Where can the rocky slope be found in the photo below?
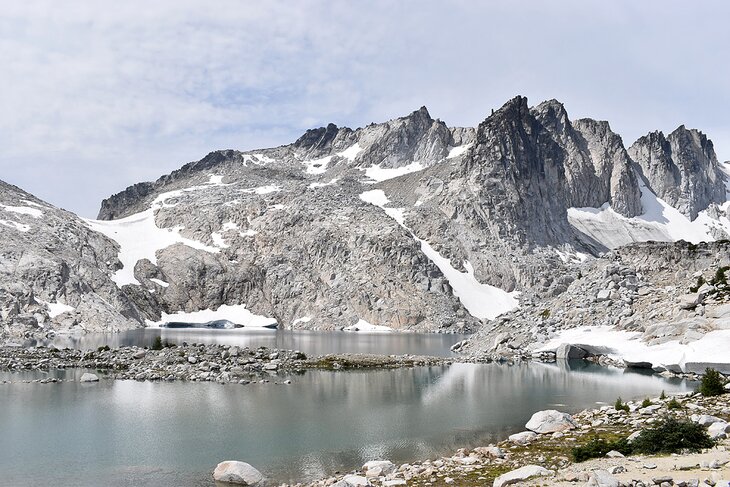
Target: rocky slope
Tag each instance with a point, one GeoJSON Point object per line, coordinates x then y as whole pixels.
{"type": "Point", "coordinates": [649, 304]}
{"type": "Point", "coordinates": [406, 224]}
{"type": "Point", "coordinates": [54, 271]}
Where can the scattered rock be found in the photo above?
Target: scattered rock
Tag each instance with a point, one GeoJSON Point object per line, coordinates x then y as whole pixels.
{"type": "Point", "coordinates": [88, 377]}
{"type": "Point", "coordinates": [523, 473]}
{"type": "Point", "coordinates": [550, 421]}
{"type": "Point", "coordinates": [238, 473]}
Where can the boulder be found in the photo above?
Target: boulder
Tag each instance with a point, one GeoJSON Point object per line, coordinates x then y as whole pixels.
{"type": "Point", "coordinates": [490, 451]}
{"type": "Point", "coordinates": [569, 352]}
{"type": "Point", "coordinates": [718, 430]}
{"type": "Point", "coordinates": [522, 473]}
{"type": "Point", "coordinates": [523, 438]}
{"type": "Point", "coordinates": [690, 301]}
{"type": "Point", "coordinates": [238, 473]}
{"type": "Point", "coordinates": [385, 466]}
{"type": "Point", "coordinates": [603, 295]}
{"type": "Point", "coordinates": [353, 481]}
{"type": "Point", "coordinates": [87, 377]}
{"type": "Point", "coordinates": [707, 420]}
{"type": "Point", "coordinates": [601, 478]}
{"type": "Point", "coordinates": [550, 421]}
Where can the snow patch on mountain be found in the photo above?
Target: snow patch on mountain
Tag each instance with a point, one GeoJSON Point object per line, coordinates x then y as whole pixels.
{"type": "Point", "coordinates": [377, 173]}
{"type": "Point", "coordinates": [458, 150]}
{"type": "Point", "coordinates": [270, 188]}
{"type": "Point", "coordinates": [660, 222]}
{"type": "Point", "coordinates": [21, 227]}
{"type": "Point", "coordinates": [55, 309]}
{"type": "Point", "coordinates": [23, 210]}
{"type": "Point", "coordinates": [237, 314]}
{"type": "Point", "coordinates": [480, 300]}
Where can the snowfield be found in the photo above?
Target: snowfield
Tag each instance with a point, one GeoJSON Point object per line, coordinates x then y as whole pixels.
{"type": "Point", "coordinates": [709, 351]}
{"type": "Point", "coordinates": [480, 300]}
{"type": "Point", "coordinates": [659, 222]}
{"type": "Point", "coordinates": [237, 314]}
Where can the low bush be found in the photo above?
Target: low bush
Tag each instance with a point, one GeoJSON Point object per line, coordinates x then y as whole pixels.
{"type": "Point", "coordinates": [619, 405]}
{"type": "Point", "coordinates": [598, 447]}
{"type": "Point", "coordinates": [646, 403]}
{"type": "Point", "coordinates": [673, 404]}
{"type": "Point", "coordinates": [712, 383]}
{"type": "Point", "coordinates": [157, 343]}
{"type": "Point", "coordinates": [672, 435]}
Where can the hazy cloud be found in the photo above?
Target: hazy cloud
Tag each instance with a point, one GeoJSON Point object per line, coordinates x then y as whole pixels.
{"type": "Point", "coordinates": [98, 95]}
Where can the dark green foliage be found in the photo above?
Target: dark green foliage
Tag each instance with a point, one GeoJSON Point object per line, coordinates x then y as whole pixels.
{"type": "Point", "coordinates": [712, 383]}
{"type": "Point", "coordinates": [696, 287]}
{"type": "Point", "coordinates": [673, 404]}
{"type": "Point", "coordinates": [662, 396]}
{"type": "Point", "coordinates": [620, 406]}
{"type": "Point", "coordinates": [545, 314]}
{"type": "Point", "coordinates": [157, 343]}
{"type": "Point", "coordinates": [646, 403]}
{"type": "Point", "coordinates": [672, 435]}
{"type": "Point", "coordinates": [598, 447]}
{"type": "Point", "coordinates": [105, 348]}
{"type": "Point", "coordinates": [719, 277]}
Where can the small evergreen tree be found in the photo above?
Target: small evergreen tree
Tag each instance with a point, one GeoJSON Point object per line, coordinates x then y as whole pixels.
{"type": "Point", "coordinates": [712, 383]}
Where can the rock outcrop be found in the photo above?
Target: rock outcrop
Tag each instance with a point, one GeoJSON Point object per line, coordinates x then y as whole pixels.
{"type": "Point", "coordinates": [681, 168]}
{"type": "Point", "coordinates": [55, 272]}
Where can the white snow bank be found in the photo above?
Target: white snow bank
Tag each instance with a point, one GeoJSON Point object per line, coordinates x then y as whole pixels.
{"type": "Point", "coordinates": [303, 319]}
{"type": "Point", "coordinates": [270, 188]}
{"type": "Point", "coordinates": [237, 314]}
{"type": "Point", "coordinates": [322, 185]}
{"type": "Point", "coordinates": [480, 300]}
{"type": "Point", "coordinates": [139, 237]}
{"type": "Point", "coordinates": [23, 210]}
{"type": "Point", "coordinates": [377, 173]}
{"type": "Point", "coordinates": [624, 345]}
{"type": "Point", "coordinates": [317, 166]}
{"type": "Point", "coordinates": [363, 325]}
{"type": "Point", "coordinates": [458, 150]}
{"type": "Point", "coordinates": [660, 222]}
{"type": "Point", "coordinates": [351, 152]}
{"type": "Point", "coordinates": [55, 309]}
{"type": "Point", "coordinates": [21, 227]}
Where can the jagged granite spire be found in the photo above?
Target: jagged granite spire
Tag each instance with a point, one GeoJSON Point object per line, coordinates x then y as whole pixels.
{"type": "Point", "coordinates": [682, 169]}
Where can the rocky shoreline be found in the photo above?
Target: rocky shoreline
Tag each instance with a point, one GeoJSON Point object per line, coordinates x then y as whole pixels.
{"type": "Point", "coordinates": [194, 362]}
{"type": "Point", "coordinates": [544, 457]}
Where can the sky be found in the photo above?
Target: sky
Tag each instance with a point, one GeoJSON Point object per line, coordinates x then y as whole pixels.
{"type": "Point", "coordinates": [98, 95]}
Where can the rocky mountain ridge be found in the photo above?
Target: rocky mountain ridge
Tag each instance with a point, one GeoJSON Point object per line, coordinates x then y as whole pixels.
{"type": "Point", "coordinates": [406, 224]}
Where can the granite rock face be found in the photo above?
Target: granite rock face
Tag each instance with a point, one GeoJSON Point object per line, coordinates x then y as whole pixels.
{"type": "Point", "coordinates": [358, 227]}
{"type": "Point", "coordinates": [681, 168]}
{"type": "Point", "coordinates": [54, 272]}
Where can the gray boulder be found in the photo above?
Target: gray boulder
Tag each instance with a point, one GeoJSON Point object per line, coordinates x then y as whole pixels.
{"type": "Point", "coordinates": [521, 474]}
{"type": "Point", "coordinates": [238, 473]}
{"type": "Point", "coordinates": [88, 377]}
{"type": "Point", "coordinates": [550, 421]}
{"type": "Point", "coordinates": [601, 478]}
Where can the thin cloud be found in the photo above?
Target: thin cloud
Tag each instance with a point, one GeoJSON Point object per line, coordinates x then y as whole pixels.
{"type": "Point", "coordinates": [99, 95]}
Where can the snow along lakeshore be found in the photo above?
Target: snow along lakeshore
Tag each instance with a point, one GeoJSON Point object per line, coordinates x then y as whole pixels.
{"type": "Point", "coordinates": [709, 351]}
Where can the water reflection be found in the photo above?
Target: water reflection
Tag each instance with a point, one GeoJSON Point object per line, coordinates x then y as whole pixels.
{"type": "Point", "coordinates": [310, 342]}
{"type": "Point", "coordinates": [142, 433]}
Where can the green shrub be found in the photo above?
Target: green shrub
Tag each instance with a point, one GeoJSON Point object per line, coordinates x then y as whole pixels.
{"type": "Point", "coordinates": [673, 404]}
{"type": "Point", "coordinates": [712, 383]}
{"type": "Point", "coordinates": [545, 314]}
{"type": "Point", "coordinates": [619, 405]}
{"type": "Point", "coordinates": [672, 435]}
{"type": "Point", "coordinates": [598, 447]}
{"type": "Point", "coordinates": [698, 285]}
{"type": "Point", "coordinates": [105, 348]}
{"type": "Point", "coordinates": [662, 396]}
{"type": "Point", "coordinates": [646, 403]}
{"type": "Point", "coordinates": [720, 276]}
{"type": "Point", "coordinates": [157, 343]}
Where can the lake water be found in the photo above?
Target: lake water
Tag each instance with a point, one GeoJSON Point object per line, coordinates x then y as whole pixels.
{"type": "Point", "coordinates": [126, 433]}
{"type": "Point", "coordinates": [309, 342]}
